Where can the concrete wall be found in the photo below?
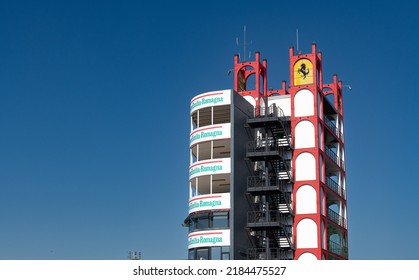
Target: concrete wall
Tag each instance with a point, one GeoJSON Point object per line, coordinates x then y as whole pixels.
{"type": "Point", "coordinates": [240, 111]}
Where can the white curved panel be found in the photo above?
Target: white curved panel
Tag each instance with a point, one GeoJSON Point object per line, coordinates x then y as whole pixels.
{"type": "Point", "coordinates": [209, 99]}
{"type": "Point", "coordinates": [304, 135]}
{"type": "Point", "coordinates": [209, 133]}
{"type": "Point", "coordinates": [306, 201]}
{"type": "Point", "coordinates": [307, 234]}
{"type": "Point", "coordinates": [304, 103]}
{"type": "Point", "coordinates": [209, 238]}
{"type": "Point", "coordinates": [307, 257]}
{"type": "Point", "coordinates": [250, 99]}
{"type": "Point", "coordinates": [209, 167]}
{"type": "Point", "coordinates": [209, 202]}
{"type": "Point", "coordinates": [305, 167]}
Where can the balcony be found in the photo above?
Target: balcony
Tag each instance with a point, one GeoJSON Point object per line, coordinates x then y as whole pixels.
{"type": "Point", "coordinates": [336, 218]}
{"type": "Point", "coordinates": [338, 249]}
{"type": "Point", "coordinates": [273, 112]}
{"type": "Point", "coordinates": [257, 184]}
{"type": "Point", "coordinates": [332, 185]}
{"type": "Point", "coordinates": [263, 149]}
{"type": "Point", "coordinates": [333, 128]}
{"type": "Point", "coordinates": [267, 254]}
{"type": "Point", "coordinates": [263, 219]}
{"type": "Point", "coordinates": [333, 156]}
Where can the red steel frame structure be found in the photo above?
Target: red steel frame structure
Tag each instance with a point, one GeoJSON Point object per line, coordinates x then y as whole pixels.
{"type": "Point", "coordinates": [329, 182]}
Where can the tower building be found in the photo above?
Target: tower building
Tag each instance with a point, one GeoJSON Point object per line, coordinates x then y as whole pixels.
{"type": "Point", "coordinates": [267, 177]}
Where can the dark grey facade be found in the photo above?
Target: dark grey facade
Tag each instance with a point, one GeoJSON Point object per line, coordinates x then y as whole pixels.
{"type": "Point", "coordinates": [241, 169]}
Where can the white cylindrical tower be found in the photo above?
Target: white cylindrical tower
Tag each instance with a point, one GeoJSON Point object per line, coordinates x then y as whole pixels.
{"type": "Point", "coordinates": [209, 177]}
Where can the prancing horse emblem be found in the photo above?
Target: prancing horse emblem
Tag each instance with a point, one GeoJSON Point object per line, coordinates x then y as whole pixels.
{"type": "Point", "coordinates": [303, 70]}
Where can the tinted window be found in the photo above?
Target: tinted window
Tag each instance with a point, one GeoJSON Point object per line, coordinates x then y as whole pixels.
{"type": "Point", "coordinates": [202, 254]}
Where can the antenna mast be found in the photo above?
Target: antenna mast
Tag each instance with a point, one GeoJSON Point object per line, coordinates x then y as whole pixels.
{"type": "Point", "coordinates": [244, 44]}
{"type": "Point", "coordinates": [297, 42]}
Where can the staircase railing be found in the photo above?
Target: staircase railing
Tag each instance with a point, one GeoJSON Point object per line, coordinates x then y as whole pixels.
{"type": "Point", "coordinates": [274, 111]}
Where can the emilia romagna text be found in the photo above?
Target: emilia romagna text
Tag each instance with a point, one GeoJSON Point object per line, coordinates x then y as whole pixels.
{"type": "Point", "coordinates": [204, 101]}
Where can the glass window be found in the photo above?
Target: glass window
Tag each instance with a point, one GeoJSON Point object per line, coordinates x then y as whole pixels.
{"type": "Point", "coordinates": [194, 159]}
{"type": "Point", "coordinates": [225, 252]}
{"type": "Point", "coordinates": [221, 114]}
{"type": "Point", "coordinates": [193, 190]}
{"type": "Point", "coordinates": [191, 254]}
{"type": "Point", "coordinates": [193, 187]}
{"type": "Point", "coordinates": [215, 253]}
{"type": "Point", "coordinates": [203, 222]}
{"type": "Point", "coordinates": [203, 183]}
{"type": "Point", "coordinates": [220, 220]}
{"type": "Point", "coordinates": [226, 256]}
{"type": "Point", "coordinates": [192, 224]}
{"type": "Point", "coordinates": [202, 254]}
{"type": "Point", "coordinates": [205, 117]}
{"type": "Point", "coordinates": [194, 120]}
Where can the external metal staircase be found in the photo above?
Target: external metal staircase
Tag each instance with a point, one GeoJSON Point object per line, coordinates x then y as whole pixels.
{"type": "Point", "coordinates": [269, 189]}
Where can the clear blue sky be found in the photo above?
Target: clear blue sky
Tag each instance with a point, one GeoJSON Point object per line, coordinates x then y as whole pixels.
{"type": "Point", "coordinates": [94, 116]}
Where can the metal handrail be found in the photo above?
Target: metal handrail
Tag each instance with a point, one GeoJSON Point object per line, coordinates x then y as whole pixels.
{"type": "Point", "coordinates": [265, 217]}
{"type": "Point", "coordinates": [331, 125]}
{"type": "Point", "coordinates": [265, 145]}
{"type": "Point", "coordinates": [262, 181]}
{"type": "Point", "coordinates": [332, 155]}
{"type": "Point", "coordinates": [334, 128]}
{"type": "Point", "coordinates": [271, 111]}
{"type": "Point", "coordinates": [331, 184]}
{"type": "Point", "coordinates": [335, 217]}
{"type": "Point", "coordinates": [266, 254]}
{"type": "Point", "coordinates": [260, 253]}
{"type": "Point", "coordinates": [338, 249]}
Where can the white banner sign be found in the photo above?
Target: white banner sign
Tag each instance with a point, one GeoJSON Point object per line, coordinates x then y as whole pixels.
{"type": "Point", "coordinates": [208, 133]}
{"type": "Point", "coordinates": [209, 167]}
{"type": "Point", "coordinates": [209, 238]}
{"type": "Point", "coordinates": [209, 99]}
{"type": "Point", "coordinates": [209, 202]}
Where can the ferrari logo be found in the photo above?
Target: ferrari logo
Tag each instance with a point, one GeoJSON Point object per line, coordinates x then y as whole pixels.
{"type": "Point", "coordinates": [303, 70]}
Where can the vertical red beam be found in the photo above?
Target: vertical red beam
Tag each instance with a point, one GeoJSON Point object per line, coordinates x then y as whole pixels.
{"type": "Point", "coordinates": [243, 70]}
{"type": "Point", "coordinates": [313, 87]}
